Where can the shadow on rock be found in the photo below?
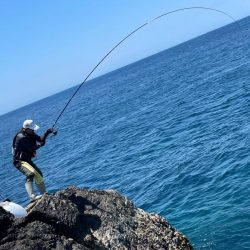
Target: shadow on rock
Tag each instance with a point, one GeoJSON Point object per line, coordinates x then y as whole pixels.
{"type": "Point", "coordinates": [66, 215]}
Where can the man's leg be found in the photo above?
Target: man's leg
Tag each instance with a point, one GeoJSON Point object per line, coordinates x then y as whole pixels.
{"type": "Point", "coordinates": [38, 178]}
{"type": "Point", "coordinates": [29, 188]}
{"type": "Point", "coordinates": [29, 178]}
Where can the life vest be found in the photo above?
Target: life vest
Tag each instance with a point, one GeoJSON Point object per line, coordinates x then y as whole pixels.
{"type": "Point", "coordinates": [23, 147]}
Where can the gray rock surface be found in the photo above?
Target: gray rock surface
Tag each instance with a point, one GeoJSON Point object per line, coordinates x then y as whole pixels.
{"type": "Point", "coordinates": [87, 219]}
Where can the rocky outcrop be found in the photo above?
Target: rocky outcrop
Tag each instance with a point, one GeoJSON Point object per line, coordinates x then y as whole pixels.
{"type": "Point", "coordinates": [87, 219]}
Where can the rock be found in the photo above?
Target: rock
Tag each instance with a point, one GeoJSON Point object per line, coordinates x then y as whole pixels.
{"type": "Point", "coordinates": [6, 220]}
{"type": "Point", "coordinates": [87, 219]}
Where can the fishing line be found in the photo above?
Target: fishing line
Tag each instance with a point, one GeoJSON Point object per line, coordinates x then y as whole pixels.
{"type": "Point", "coordinates": [125, 38]}
{"type": "Point", "coordinates": [1, 196]}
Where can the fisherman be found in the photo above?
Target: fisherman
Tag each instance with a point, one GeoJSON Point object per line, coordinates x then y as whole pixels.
{"type": "Point", "coordinates": [24, 146]}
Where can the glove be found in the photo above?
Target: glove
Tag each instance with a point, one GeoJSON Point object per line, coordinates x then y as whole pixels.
{"type": "Point", "coordinates": [49, 131]}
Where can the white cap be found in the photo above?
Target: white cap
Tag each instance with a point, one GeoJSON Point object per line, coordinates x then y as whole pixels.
{"type": "Point", "coordinates": [30, 124]}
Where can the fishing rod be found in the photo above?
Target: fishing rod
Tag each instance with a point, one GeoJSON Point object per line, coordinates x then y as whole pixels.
{"type": "Point", "coordinates": [125, 38]}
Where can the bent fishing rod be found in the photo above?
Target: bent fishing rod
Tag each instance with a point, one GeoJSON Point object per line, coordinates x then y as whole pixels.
{"type": "Point", "coordinates": [125, 38]}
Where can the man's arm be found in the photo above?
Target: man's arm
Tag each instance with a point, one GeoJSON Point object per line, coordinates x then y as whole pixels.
{"type": "Point", "coordinates": [43, 138]}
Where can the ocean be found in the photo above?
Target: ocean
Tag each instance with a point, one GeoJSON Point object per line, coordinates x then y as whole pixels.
{"type": "Point", "coordinates": [170, 131]}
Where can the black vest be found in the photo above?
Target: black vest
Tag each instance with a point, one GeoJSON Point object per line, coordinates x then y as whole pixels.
{"type": "Point", "coordinates": [23, 146]}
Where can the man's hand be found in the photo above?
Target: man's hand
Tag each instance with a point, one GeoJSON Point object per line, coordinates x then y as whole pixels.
{"type": "Point", "coordinates": [49, 131]}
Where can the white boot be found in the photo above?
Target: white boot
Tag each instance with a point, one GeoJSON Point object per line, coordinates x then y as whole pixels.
{"type": "Point", "coordinates": [41, 187]}
{"type": "Point", "coordinates": [30, 190]}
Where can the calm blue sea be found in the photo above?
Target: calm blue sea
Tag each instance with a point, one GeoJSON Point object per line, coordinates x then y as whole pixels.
{"type": "Point", "coordinates": [171, 132]}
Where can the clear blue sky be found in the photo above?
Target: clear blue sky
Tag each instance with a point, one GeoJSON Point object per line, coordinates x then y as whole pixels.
{"type": "Point", "coordinates": [48, 46]}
